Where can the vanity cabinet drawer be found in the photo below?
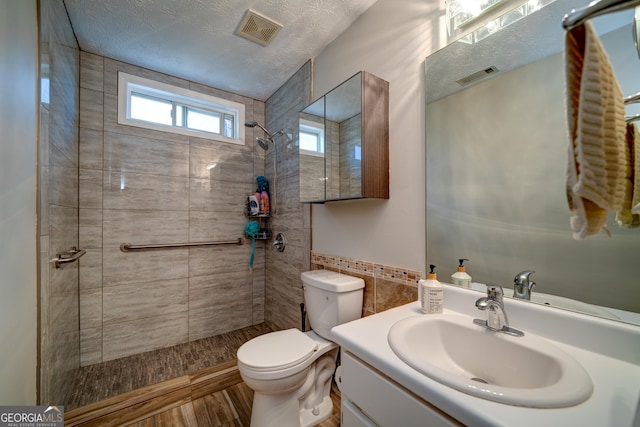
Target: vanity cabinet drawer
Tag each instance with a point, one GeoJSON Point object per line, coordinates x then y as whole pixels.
{"type": "Point", "coordinates": [383, 401]}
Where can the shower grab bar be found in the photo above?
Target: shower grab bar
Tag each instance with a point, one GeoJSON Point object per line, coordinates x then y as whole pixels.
{"type": "Point", "coordinates": [72, 255]}
{"type": "Point", "coordinates": [595, 8]}
{"type": "Point", "coordinates": [128, 247]}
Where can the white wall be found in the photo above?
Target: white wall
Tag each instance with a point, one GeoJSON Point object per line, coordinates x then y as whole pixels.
{"type": "Point", "coordinates": [18, 121]}
{"type": "Point", "coordinates": [390, 40]}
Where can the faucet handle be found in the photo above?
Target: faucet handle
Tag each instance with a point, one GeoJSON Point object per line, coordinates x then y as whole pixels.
{"type": "Point", "coordinates": [495, 292]}
{"type": "Point", "coordinates": [523, 278]}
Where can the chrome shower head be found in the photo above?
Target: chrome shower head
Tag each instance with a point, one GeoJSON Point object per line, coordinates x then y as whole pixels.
{"type": "Point", "coordinates": [252, 124]}
{"type": "Point", "coordinates": [264, 142]}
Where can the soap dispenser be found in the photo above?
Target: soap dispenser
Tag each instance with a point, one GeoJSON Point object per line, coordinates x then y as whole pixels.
{"type": "Point", "coordinates": [461, 277]}
{"type": "Point", "coordinates": [430, 293]}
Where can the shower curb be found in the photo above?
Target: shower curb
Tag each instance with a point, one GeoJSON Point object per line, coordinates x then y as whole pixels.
{"type": "Point", "coordinates": [136, 405]}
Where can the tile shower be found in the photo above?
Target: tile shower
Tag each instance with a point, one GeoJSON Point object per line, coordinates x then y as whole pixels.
{"type": "Point", "coordinates": [144, 187]}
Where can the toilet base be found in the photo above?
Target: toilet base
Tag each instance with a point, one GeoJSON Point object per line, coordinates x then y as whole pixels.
{"type": "Point", "coordinates": [286, 412]}
{"type": "Point", "coordinates": [324, 411]}
{"type": "Point", "coordinates": [281, 409]}
{"type": "Point", "coordinates": [306, 406]}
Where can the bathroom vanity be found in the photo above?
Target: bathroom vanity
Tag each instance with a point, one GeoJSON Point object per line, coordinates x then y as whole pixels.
{"type": "Point", "coordinates": [379, 388]}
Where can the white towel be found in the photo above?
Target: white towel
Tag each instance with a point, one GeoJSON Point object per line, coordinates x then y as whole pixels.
{"type": "Point", "coordinates": [597, 165]}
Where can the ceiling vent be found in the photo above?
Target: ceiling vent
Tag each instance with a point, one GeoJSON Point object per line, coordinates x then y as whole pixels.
{"type": "Point", "coordinates": [479, 75]}
{"type": "Point", "coordinates": [258, 28]}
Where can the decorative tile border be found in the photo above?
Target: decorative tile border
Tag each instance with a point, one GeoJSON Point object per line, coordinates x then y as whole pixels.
{"type": "Point", "coordinates": [379, 271]}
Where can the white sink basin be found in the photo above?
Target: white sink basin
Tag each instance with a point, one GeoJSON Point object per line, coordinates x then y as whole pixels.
{"type": "Point", "coordinates": [523, 371]}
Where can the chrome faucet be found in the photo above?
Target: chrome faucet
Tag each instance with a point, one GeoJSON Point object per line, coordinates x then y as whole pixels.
{"type": "Point", "coordinates": [522, 285]}
{"type": "Point", "coordinates": [493, 304]}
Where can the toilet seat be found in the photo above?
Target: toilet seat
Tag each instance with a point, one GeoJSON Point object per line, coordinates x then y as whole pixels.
{"type": "Point", "coordinates": [276, 351]}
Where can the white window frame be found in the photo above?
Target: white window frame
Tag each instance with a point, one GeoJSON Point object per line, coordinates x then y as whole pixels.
{"type": "Point", "coordinates": [128, 83]}
{"type": "Point", "coordinates": [312, 127]}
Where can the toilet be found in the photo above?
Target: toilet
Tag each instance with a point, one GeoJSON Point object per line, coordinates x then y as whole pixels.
{"type": "Point", "coordinates": [290, 371]}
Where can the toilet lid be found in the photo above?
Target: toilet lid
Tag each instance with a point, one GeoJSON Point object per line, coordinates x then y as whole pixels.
{"type": "Point", "coordinates": [276, 350]}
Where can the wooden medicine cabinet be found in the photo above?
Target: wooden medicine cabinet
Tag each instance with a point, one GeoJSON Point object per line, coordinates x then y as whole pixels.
{"type": "Point", "coordinates": [344, 142]}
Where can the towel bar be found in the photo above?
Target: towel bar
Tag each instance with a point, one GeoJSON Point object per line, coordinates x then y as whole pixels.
{"type": "Point", "coordinates": [596, 8]}
{"type": "Point", "coordinates": [631, 119]}
{"type": "Point", "coordinates": [632, 99]}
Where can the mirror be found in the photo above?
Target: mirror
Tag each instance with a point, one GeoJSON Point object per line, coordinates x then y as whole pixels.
{"type": "Point", "coordinates": [344, 142]}
{"type": "Point", "coordinates": [343, 120]}
{"type": "Point", "coordinates": [496, 159]}
{"type": "Point", "coordinates": [312, 153]}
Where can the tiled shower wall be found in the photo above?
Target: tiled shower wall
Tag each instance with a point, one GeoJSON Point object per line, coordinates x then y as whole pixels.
{"type": "Point", "coordinates": [283, 287]}
{"type": "Point", "coordinates": [144, 187]}
{"type": "Point", "coordinates": [58, 207]}
{"type": "Point", "coordinates": [385, 286]}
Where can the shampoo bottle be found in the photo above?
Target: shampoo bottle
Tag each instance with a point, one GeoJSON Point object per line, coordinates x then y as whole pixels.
{"type": "Point", "coordinates": [461, 277]}
{"type": "Point", "coordinates": [253, 205]}
{"type": "Point", "coordinates": [264, 202]}
{"type": "Point", "coordinates": [430, 293]}
{"type": "Point", "coordinates": [258, 197]}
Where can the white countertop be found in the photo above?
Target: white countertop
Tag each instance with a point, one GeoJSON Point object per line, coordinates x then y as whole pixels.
{"type": "Point", "coordinates": [614, 365]}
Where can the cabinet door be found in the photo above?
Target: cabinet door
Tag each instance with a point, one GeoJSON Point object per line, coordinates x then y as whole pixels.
{"type": "Point", "coordinates": [343, 160]}
{"type": "Point", "coordinates": [385, 402]}
{"type": "Point", "coordinates": [312, 153]}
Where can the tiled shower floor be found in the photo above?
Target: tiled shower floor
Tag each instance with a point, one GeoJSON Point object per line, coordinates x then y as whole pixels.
{"type": "Point", "coordinates": [103, 380]}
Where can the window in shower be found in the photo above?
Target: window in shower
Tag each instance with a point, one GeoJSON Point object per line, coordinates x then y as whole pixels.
{"type": "Point", "coordinates": [159, 106]}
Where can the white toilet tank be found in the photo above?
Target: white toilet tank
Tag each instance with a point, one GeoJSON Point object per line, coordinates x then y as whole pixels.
{"type": "Point", "coordinates": [331, 299]}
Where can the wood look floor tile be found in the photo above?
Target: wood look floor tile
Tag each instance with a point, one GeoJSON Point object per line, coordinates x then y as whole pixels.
{"type": "Point", "coordinates": [181, 416]}
{"type": "Point", "coordinates": [215, 410]}
{"type": "Point", "coordinates": [242, 399]}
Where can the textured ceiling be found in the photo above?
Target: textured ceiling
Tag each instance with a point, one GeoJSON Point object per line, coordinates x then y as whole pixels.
{"type": "Point", "coordinates": [194, 39]}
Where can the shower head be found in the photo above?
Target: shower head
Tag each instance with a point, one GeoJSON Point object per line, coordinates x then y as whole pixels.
{"type": "Point", "coordinates": [252, 124]}
{"type": "Point", "coordinates": [264, 142]}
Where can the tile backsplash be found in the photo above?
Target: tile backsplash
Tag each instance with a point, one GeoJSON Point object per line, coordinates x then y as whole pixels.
{"type": "Point", "coordinates": [385, 286]}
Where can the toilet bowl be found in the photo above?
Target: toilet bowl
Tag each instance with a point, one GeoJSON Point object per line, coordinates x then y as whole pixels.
{"type": "Point", "coordinates": [290, 371]}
